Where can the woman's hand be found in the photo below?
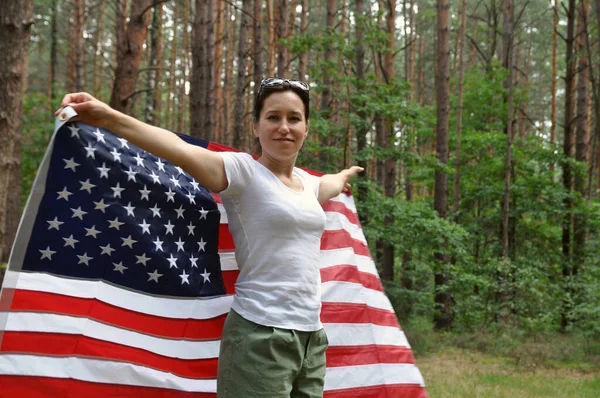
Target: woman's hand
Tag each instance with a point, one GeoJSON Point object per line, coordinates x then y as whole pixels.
{"type": "Point", "coordinates": [89, 110]}
{"type": "Point", "coordinates": [331, 185]}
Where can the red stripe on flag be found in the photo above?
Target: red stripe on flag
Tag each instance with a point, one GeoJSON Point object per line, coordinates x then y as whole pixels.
{"type": "Point", "coordinates": [380, 391]}
{"type": "Point", "coordinates": [342, 239]}
{"type": "Point", "coordinates": [368, 355]}
{"type": "Point", "coordinates": [35, 301]}
{"type": "Point", "coordinates": [357, 313]}
{"type": "Point", "coordinates": [339, 207]}
{"type": "Point", "coordinates": [229, 279]}
{"type": "Point", "coordinates": [43, 387]}
{"type": "Point", "coordinates": [349, 273]}
{"type": "Point", "coordinates": [225, 238]}
{"type": "Point", "coordinates": [215, 147]}
{"type": "Point", "coordinates": [69, 345]}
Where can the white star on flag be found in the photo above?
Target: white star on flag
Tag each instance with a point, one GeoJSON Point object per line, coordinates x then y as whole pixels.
{"type": "Point", "coordinates": [116, 155]}
{"type": "Point", "coordinates": [99, 136]}
{"type": "Point", "coordinates": [64, 194]}
{"type": "Point", "coordinates": [70, 241]}
{"type": "Point", "coordinates": [201, 245]}
{"type": "Point", "coordinates": [206, 275]}
{"type": "Point", "coordinates": [142, 259]}
{"type": "Point", "coordinates": [92, 232]}
{"type": "Point", "coordinates": [154, 276]}
{"type": "Point", "coordinates": [119, 267]}
{"type": "Point", "coordinates": [116, 224]}
{"type": "Point", "coordinates": [144, 193]}
{"type": "Point", "coordinates": [71, 164]}
{"type": "Point", "coordinates": [203, 213]}
{"type": "Point", "coordinates": [101, 206]}
{"type": "Point", "coordinates": [145, 227]}
{"type": "Point", "coordinates": [47, 253]}
{"type": "Point", "coordinates": [107, 250]}
{"type": "Point", "coordinates": [84, 259]}
{"type": "Point", "coordinates": [103, 170]}
{"type": "Point", "coordinates": [184, 278]}
{"type": "Point", "coordinates": [86, 186]}
{"type": "Point", "coordinates": [78, 213]}
{"type": "Point", "coordinates": [54, 223]}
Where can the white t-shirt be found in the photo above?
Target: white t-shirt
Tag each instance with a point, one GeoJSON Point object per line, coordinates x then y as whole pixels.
{"type": "Point", "coordinates": [277, 234]}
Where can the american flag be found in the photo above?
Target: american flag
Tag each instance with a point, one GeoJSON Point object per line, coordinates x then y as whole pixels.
{"type": "Point", "coordinates": [122, 274]}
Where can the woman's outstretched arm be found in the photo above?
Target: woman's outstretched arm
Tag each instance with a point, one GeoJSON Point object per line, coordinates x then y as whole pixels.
{"type": "Point", "coordinates": [204, 165]}
{"type": "Point", "coordinates": [331, 185]}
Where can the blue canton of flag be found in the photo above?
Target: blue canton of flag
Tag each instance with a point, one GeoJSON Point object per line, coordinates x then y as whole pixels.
{"type": "Point", "coordinates": [114, 212]}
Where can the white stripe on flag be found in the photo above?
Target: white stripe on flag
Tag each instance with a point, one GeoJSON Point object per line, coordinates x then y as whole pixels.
{"type": "Point", "coordinates": [346, 256]}
{"type": "Point", "coordinates": [184, 308]}
{"type": "Point", "coordinates": [352, 334]}
{"type": "Point", "coordinates": [372, 375]}
{"type": "Point", "coordinates": [346, 200]}
{"type": "Point", "coordinates": [348, 292]}
{"type": "Point", "coordinates": [99, 371]}
{"type": "Point", "coordinates": [51, 323]}
{"type": "Point", "coordinates": [336, 221]}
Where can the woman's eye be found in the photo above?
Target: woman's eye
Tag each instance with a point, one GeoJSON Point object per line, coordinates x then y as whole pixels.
{"type": "Point", "coordinates": [272, 117]}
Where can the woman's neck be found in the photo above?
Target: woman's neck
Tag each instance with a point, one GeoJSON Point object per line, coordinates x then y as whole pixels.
{"type": "Point", "coordinates": [278, 167]}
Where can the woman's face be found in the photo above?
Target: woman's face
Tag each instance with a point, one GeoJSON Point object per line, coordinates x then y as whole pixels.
{"type": "Point", "coordinates": [282, 126]}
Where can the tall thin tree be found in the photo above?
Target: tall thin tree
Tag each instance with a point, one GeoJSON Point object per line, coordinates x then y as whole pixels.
{"type": "Point", "coordinates": [241, 84]}
{"type": "Point", "coordinates": [443, 302]}
{"type": "Point", "coordinates": [568, 143]}
{"type": "Point", "coordinates": [507, 61]}
{"type": "Point", "coordinates": [582, 132]}
{"type": "Point", "coordinates": [130, 55]}
{"type": "Point", "coordinates": [15, 25]}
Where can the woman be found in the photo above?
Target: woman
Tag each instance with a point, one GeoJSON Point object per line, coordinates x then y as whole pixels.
{"type": "Point", "coordinates": [273, 342]}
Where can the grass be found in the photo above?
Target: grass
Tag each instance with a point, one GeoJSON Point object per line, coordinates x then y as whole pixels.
{"type": "Point", "coordinates": [459, 373]}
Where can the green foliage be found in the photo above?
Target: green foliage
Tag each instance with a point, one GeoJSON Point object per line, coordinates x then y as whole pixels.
{"type": "Point", "coordinates": [38, 125]}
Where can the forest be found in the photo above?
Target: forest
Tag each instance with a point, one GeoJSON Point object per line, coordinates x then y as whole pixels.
{"type": "Point", "coordinates": [477, 123]}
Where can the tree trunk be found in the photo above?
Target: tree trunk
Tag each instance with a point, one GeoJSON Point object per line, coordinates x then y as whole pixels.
{"type": "Point", "coordinates": [217, 72]}
{"type": "Point", "coordinates": [459, 110]}
{"type": "Point", "coordinates": [153, 74]}
{"type": "Point", "coordinates": [271, 38]}
{"type": "Point", "coordinates": [554, 78]}
{"type": "Point", "coordinates": [53, 53]}
{"type": "Point", "coordinates": [303, 56]}
{"type": "Point", "coordinates": [568, 153]}
{"type": "Point", "coordinates": [202, 84]}
{"type": "Point", "coordinates": [259, 70]}
{"type": "Point", "coordinates": [325, 106]}
{"type": "Point", "coordinates": [186, 70]}
{"type": "Point", "coordinates": [363, 130]}
{"type": "Point", "coordinates": [98, 59]}
{"type": "Point", "coordinates": [75, 75]}
{"type": "Point", "coordinates": [583, 132]}
{"type": "Point", "coordinates": [129, 56]}
{"type": "Point", "coordinates": [443, 302]}
{"type": "Point", "coordinates": [228, 83]}
{"type": "Point", "coordinates": [169, 119]}
{"type": "Point", "coordinates": [597, 101]}
{"type": "Point", "coordinates": [242, 78]}
{"type": "Point", "coordinates": [282, 30]}
{"type": "Point", "coordinates": [390, 141]}
{"type": "Point", "coordinates": [15, 24]}
{"type": "Point", "coordinates": [507, 61]}
{"type": "Point", "coordinates": [596, 92]}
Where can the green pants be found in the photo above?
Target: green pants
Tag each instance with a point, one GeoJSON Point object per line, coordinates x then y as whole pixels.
{"type": "Point", "coordinates": [258, 361]}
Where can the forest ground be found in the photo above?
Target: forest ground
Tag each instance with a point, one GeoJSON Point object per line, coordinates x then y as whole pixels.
{"type": "Point", "coordinates": [461, 373]}
{"type": "Point", "coordinates": [506, 363]}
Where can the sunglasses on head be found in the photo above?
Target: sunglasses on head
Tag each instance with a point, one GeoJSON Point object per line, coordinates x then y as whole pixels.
{"type": "Point", "coordinates": [278, 82]}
